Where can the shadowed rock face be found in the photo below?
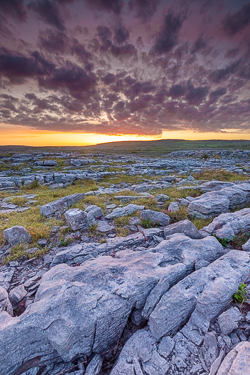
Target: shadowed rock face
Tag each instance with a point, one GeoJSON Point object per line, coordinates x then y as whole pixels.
{"type": "Point", "coordinates": [83, 310]}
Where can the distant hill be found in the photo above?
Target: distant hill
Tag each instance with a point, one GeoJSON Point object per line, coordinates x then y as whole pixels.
{"type": "Point", "coordinates": [139, 147]}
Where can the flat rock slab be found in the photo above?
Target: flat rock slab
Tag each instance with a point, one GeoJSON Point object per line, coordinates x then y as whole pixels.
{"type": "Point", "coordinates": [124, 211]}
{"type": "Point", "coordinates": [193, 302]}
{"type": "Point", "coordinates": [61, 205]}
{"type": "Point", "coordinates": [83, 310]}
{"type": "Point", "coordinates": [184, 226]}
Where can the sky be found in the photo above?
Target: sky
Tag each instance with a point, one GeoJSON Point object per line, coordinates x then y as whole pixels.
{"type": "Point", "coordinates": [78, 72]}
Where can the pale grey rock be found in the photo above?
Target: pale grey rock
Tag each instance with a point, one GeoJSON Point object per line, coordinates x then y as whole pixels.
{"type": "Point", "coordinates": [50, 163]}
{"type": "Point", "coordinates": [173, 207]}
{"type": "Point", "coordinates": [162, 198]}
{"type": "Point", "coordinates": [215, 185]}
{"type": "Point", "coordinates": [17, 235]}
{"type": "Point", "coordinates": [81, 252]}
{"type": "Point", "coordinates": [246, 246]}
{"type": "Point", "coordinates": [94, 365]}
{"type": "Point", "coordinates": [85, 309]}
{"type": "Point", "coordinates": [140, 356]}
{"type": "Point", "coordinates": [16, 295]}
{"type": "Point", "coordinates": [61, 205]}
{"type": "Point", "coordinates": [230, 224]}
{"type": "Point", "coordinates": [5, 304]}
{"type": "Point", "coordinates": [6, 277]}
{"type": "Point", "coordinates": [166, 346]}
{"type": "Point", "coordinates": [124, 211]}
{"type": "Point", "coordinates": [229, 320]}
{"type": "Point", "coordinates": [104, 226]}
{"type": "Point", "coordinates": [155, 217]}
{"type": "Point", "coordinates": [184, 226]}
{"type": "Point", "coordinates": [76, 219]}
{"type": "Point", "coordinates": [127, 198]}
{"type": "Point", "coordinates": [183, 202]}
{"type": "Point", "coordinates": [199, 297]}
{"type": "Point", "coordinates": [93, 213]}
{"type": "Point", "coordinates": [209, 205]}
{"type": "Point", "coordinates": [237, 361]}
{"type": "Point", "coordinates": [42, 242]}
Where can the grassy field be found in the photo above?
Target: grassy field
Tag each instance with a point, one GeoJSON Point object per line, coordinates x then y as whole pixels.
{"type": "Point", "coordinates": [138, 147]}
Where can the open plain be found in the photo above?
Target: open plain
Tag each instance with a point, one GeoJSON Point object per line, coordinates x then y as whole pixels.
{"type": "Point", "coordinates": [125, 262]}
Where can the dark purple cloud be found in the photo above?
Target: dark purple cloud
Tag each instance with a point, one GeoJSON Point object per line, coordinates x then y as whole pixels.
{"type": "Point", "coordinates": [71, 77]}
{"type": "Point", "coordinates": [195, 95]}
{"type": "Point", "coordinates": [167, 38]}
{"type": "Point", "coordinates": [49, 12]}
{"type": "Point", "coordinates": [125, 66]}
{"type": "Point", "coordinates": [13, 8]}
{"type": "Point", "coordinates": [114, 6]}
{"type": "Point", "coordinates": [235, 22]}
{"type": "Point", "coordinates": [17, 66]}
{"type": "Point", "coordinates": [143, 9]}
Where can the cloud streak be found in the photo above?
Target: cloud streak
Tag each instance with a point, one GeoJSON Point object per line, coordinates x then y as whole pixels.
{"type": "Point", "coordinates": [125, 67]}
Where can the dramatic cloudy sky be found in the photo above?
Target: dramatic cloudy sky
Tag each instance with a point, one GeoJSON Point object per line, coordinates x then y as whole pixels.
{"type": "Point", "coordinates": [138, 67]}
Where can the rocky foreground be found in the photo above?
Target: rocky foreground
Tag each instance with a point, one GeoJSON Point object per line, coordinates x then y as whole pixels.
{"type": "Point", "coordinates": [164, 298]}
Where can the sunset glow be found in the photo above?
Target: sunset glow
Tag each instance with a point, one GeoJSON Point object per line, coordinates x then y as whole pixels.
{"type": "Point", "coordinates": [85, 72]}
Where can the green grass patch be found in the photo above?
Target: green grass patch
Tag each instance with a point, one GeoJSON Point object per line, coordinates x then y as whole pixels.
{"type": "Point", "coordinates": [220, 174]}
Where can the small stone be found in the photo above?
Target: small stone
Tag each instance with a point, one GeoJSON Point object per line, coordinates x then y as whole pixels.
{"type": "Point", "coordinates": [166, 346]}
{"type": "Point", "coordinates": [229, 320]}
{"type": "Point", "coordinates": [246, 246]}
{"type": "Point", "coordinates": [14, 263]}
{"type": "Point", "coordinates": [42, 242]}
{"type": "Point", "coordinates": [155, 217]}
{"type": "Point", "coordinates": [16, 295]}
{"type": "Point", "coordinates": [173, 207]}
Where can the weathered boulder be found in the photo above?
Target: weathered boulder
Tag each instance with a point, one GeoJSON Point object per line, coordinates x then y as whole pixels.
{"type": "Point", "coordinates": [229, 225]}
{"type": "Point", "coordinates": [155, 217]}
{"type": "Point", "coordinates": [209, 205]}
{"type": "Point", "coordinates": [17, 235]}
{"type": "Point", "coordinates": [199, 297]}
{"type": "Point", "coordinates": [76, 219]}
{"type": "Point", "coordinates": [124, 211]}
{"type": "Point", "coordinates": [61, 205]}
{"type": "Point", "coordinates": [184, 226]}
{"type": "Point", "coordinates": [217, 202]}
{"type": "Point", "coordinates": [83, 310]}
{"type": "Point", "coordinates": [237, 361]}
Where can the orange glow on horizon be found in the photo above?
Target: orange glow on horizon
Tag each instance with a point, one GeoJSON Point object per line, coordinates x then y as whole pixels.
{"type": "Point", "coordinates": [13, 135]}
